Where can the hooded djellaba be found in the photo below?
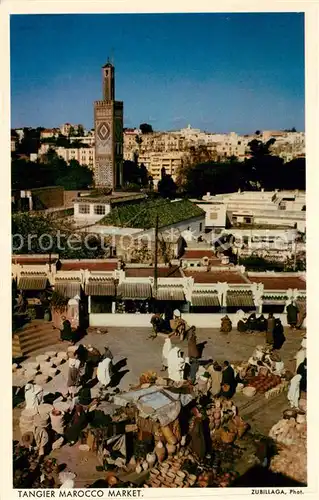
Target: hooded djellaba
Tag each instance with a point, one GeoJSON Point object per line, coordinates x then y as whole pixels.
{"type": "Point", "coordinates": [292, 315]}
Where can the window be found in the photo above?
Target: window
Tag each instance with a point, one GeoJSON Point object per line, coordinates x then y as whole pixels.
{"type": "Point", "coordinates": [213, 215]}
{"type": "Point", "coordinates": [99, 209]}
{"type": "Point", "coordinates": [247, 220]}
{"type": "Point", "coordinates": [200, 226]}
{"type": "Point", "coordinates": [84, 209]}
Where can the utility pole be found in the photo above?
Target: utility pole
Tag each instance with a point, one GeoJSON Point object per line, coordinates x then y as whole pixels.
{"type": "Point", "coordinates": [295, 255]}
{"type": "Point", "coordinates": [155, 259]}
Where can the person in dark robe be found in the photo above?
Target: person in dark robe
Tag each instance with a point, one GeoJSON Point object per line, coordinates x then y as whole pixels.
{"type": "Point", "coordinates": [226, 325]}
{"type": "Point", "coordinates": [77, 424]}
{"type": "Point", "coordinates": [292, 315]}
{"type": "Point", "coordinates": [66, 331]}
{"type": "Point", "coordinates": [261, 325]}
{"type": "Point", "coordinates": [242, 325]}
{"type": "Point", "coordinates": [193, 354]}
{"type": "Point", "coordinates": [270, 329]}
{"type": "Point", "coordinates": [156, 322]}
{"type": "Point", "coordinates": [228, 387]}
{"type": "Point", "coordinates": [278, 335]}
{"type": "Point", "coordinates": [198, 444]}
{"type": "Point", "coordinates": [252, 323]}
{"type": "Point", "coordinates": [302, 370]}
{"type": "Point", "coordinates": [92, 360]}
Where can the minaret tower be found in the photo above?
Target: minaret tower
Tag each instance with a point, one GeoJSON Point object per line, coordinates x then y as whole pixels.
{"type": "Point", "coordinates": [108, 124]}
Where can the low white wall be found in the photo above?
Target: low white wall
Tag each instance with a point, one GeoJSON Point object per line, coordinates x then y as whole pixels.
{"type": "Point", "coordinates": [143, 320]}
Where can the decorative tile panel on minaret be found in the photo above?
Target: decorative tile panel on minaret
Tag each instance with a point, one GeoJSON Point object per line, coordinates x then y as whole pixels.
{"type": "Point", "coordinates": [108, 124]}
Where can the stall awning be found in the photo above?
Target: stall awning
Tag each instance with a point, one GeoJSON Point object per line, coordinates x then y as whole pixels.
{"type": "Point", "coordinates": [68, 289]}
{"type": "Point", "coordinates": [170, 293]}
{"type": "Point", "coordinates": [269, 300]}
{"type": "Point", "coordinates": [239, 298]}
{"type": "Point", "coordinates": [205, 299]}
{"type": "Point", "coordinates": [134, 291]}
{"type": "Point", "coordinates": [97, 287]}
{"type": "Point", "coordinates": [33, 283]}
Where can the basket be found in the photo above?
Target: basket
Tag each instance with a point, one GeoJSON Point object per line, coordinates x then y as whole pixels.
{"type": "Point", "coordinates": [249, 391]}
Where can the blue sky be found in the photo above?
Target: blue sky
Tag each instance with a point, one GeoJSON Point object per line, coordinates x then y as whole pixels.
{"type": "Point", "coordinates": [218, 72]}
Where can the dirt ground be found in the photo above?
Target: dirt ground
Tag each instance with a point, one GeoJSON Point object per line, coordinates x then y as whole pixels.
{"type": "Point", "coordinates": [136, 353]}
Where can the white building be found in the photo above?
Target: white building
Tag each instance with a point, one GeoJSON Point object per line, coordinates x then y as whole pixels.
{"type": "Point", "coordinates": [85, 156]}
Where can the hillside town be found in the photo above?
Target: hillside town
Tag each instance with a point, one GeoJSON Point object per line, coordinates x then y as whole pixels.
{"type": "Point", "coordinates": [159, 319]}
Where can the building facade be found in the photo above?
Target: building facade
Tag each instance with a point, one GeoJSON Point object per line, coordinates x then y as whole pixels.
{"type": "Point", "coordinates": [85, 156]}
{"type": "Point", "coordinates": [108, 123]}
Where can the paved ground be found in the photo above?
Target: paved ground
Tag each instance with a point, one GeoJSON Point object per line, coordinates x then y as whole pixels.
{"type": "Point", "coordinates": [143, 354]}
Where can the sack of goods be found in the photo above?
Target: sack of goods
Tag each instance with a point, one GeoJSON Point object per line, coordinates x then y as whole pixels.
{"type": "Point", "coordinates": [57, 421]}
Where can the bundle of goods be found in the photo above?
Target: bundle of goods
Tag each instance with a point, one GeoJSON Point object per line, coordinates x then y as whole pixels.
{"type": "Point", "coordinates": [263, 383]}
{"type": "Point", "coordinates": [148, 377]}
{"type": "Point", "coordinates": [291, 436]}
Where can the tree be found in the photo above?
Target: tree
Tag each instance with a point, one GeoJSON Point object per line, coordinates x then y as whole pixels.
{"type": "Point", "coordinates": [131, 173]}
{"type": "Point", "coordinates": [146, 128]}
{"type": "Point", "coordinates": [45, 233]}
{"type": "Point", "coordinates": [80, 130]}
{"type": "Point", "coordinates": [167, 187]}
{"type": "Point", "coordinates": [143, 175]}
{"type": "Point", "coordinates": [196, 155]}
{"type": "Point", "coordinates": [214, 177]}
{"type": "Point", "coordinates": [262, 168]}
{"type": "Point", "coordinates": [76, 176]}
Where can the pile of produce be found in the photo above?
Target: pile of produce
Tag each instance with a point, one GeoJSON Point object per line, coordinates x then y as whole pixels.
{"type": "Point", "coordinates": [148, 378]}
{"type": "Point", "coordinates": [263, 383]}
{"type": "Point", "coordinates": [290, 431]}
{"type": "Point", "coordinates": [291, 436]}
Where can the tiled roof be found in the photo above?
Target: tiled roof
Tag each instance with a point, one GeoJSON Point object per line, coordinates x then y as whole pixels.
{"type": "Point", "coordinates": [68, 288]}
{"type": "Point", "coordinates": [215, 276]}
{"type": "Point", "coordinates": [146, 272]}
{"type": "Point", "coordinates": [135, 291]}
{"type": "Point", "coordinates": [203, 298]}
{"type": "Point", "coordinates": [25, 260]}
{"type": "Point", "coordinates": [89, 266]}
{"type": "Point", "coordinates": [101, 287]}
{"type": "Point", "coordinates": [198, 254]}
{"type": "Point", "coordinates": [279, 283]}
{"type": "Point", "coordinates": [239, 298]}
{"type": "Point", "coordinates": [170, 292]}
{"type": "Point", "coordinates": [33, 283]}
{"type": "Point", "coordinates": [143, 215]}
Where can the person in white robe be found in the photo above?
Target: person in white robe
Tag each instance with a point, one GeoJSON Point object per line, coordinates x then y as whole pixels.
{"type": "Point", "coordinates": [166, 349]}
{"type": "Point", "coordinates": [301, 354]}
{"type": "Point", "coordinates": [104, 372]}
{"type": "Point", "coordinates": [294, 391]}
{"type": "Point", "coordinates": [33, 395]}
{"type": "Point", "coordinates": [176, 364]}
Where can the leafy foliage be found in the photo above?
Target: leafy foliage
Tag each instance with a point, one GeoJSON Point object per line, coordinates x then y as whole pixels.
{"type": "Point", "coordinates": [167, 187]}
{"type": "Point", "coordinates": [54, 171]}
{"type": "Point", "coordinates": [46, 233]}
{"type": "Point", "coordinates": [261, 170]}
{"type": "Point", "coordinates": [146, 128]}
